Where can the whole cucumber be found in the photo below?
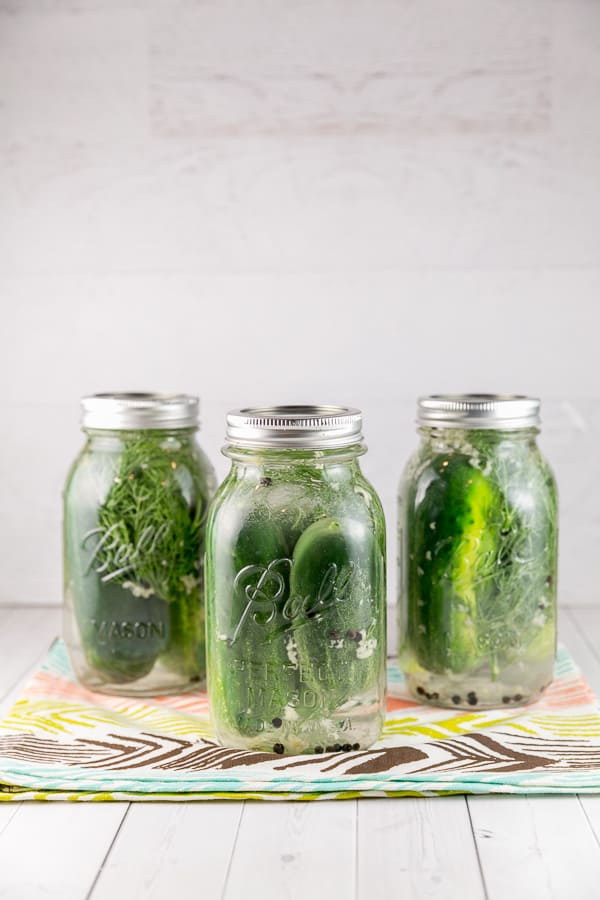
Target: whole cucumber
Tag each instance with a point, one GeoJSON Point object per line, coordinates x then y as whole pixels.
{"type": "Point", "coordinates": [121, 635]}
{"type": "Point", "coordinates": [253, 670]}
{"type": "Point", "coordinates": [333, 601]}
{"type": "Point", "coordinates": [452, 560]}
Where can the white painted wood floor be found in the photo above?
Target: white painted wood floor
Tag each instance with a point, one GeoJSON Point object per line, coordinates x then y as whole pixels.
{"type": "Point", "coordinates": [448, 848]}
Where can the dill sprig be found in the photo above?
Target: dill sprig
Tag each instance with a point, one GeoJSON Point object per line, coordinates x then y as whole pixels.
{"type": "Point", "coordinates": [154, 511]}
{"type": "Point", "coordinates": [150, 516]}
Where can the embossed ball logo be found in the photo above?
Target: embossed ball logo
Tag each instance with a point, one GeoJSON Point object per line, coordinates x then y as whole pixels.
{"type": "Point", "coordinates": [261, 589]}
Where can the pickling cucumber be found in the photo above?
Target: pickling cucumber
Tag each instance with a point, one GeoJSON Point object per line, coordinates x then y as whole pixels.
{"type": "Point", "coordinates": [121, 635]}
{"type": "Point", "coordinates": [336, 626]}
{"type": "Point", "coordinates": [253, 669]}
{"type": "Point", "coordinates": [452, 560]}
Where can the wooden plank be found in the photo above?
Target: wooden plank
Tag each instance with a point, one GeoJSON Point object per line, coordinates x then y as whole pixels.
{"type": "Point", "coordinates": [576, 629]}
{"type": "Point", "coordinates": [417, 848]}
{"type": "Point", "coordinates": [588, 619]}
{"type": "Point", "coordinates": [587, 622]}
{"type": "Point", "coordinates": [535, 847]}
{"type": "Point", "coordinates": [24, 636]}
{"type": "Point", "coordinates": [586, 628]}
{"type": "Point", "coordinates": [67, 842]}
{"type": "Point", "coordinates": [541, 846]}
{"type": "Point", "coordinates": [294, 850]}
{"type": "Point", "coordinates": [591, 808]}
{"type": "Point", "coordinates": [165, 844]}
{"type": "Point", "coordinates": [316, 70]}
{"type": "Point", "coordinates": [7, 811]}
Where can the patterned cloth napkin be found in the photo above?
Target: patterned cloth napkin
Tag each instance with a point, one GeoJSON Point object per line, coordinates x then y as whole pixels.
{"type": "Point", "coordinates": [61, 741]}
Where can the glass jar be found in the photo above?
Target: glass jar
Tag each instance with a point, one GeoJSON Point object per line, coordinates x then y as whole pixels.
{"type": "Point", "coordinates": [135, 507]}
{"type": "Point", "coordinates": [478, 554]}
{"type": "Point", "coordinates": [295, 569]}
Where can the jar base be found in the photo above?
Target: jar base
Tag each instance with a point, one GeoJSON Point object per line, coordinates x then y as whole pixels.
{"type": "Point", "coordinates": [160, 681]}
{"type": "Point", "coordinates": [340, 732]}
{"type": "Point", "coordinates": [353, 740]}
{"type": "Point", "coordinates": [472, 693]}
{"type": "Point", "coordinates": [127, 690]}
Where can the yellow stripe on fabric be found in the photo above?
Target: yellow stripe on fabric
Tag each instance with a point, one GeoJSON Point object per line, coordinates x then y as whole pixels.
{"type": "Point", "coordinates": [518, 726]}
{"type": "Point", "coordinates": [445, 728]}
{"type": "Point", "coordinates": [48, 716]}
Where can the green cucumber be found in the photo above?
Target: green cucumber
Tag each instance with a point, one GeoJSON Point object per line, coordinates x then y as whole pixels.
{"type": "Point", "coordinates": [452, 559]}
{"type": "Point", "coordinates": [254, 673]}
{"type": "Point", "coordinates": [336, 627]}
{"type": "Point", "coordinates": [121, 635]}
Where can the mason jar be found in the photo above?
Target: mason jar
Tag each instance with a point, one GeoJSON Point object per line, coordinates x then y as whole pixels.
{"type": "Point", "coordinates": [295, 568]}
{"type": "Point", "coordinates": [135, 506]}
{"type": "Point", "coordinates": [478, 554]}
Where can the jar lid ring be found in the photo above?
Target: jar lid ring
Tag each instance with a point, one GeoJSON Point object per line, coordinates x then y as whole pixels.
{"type": "Point", "coordinates": [484, 411]}
{"type": "Point", "coordinates": [139, 411]}
{"type": "Point", "coordinates": [288, 427]}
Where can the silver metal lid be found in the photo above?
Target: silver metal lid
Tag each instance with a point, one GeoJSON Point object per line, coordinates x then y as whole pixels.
{"type": "Point", "coordinates": [502, 411]}
{"type": "Point", "coordinates": [302, 427]}
{"type": "Point", "coordinates": [125, 412]}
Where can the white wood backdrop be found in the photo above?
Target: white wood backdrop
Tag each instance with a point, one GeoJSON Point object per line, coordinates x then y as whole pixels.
{"type": "Point", "coordinates": [323, 200]}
